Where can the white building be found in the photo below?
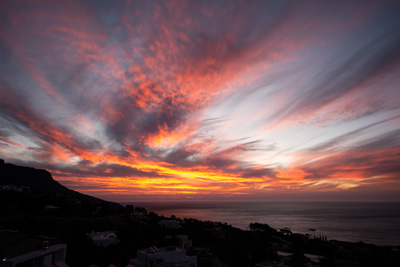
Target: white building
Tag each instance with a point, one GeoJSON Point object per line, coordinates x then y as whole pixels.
{"type": "Point", "coordinates": [104, 239]}
{"type": "Point", "coordinates": [18, 188]}
{"type": "Point", "coordinates": [46, 257]}
{"type": "Point", "coordinates": [163, 257]}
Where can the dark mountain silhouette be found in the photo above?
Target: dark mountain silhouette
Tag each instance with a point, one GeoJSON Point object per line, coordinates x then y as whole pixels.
{"type": "Point", "coordinates": [38, 180]}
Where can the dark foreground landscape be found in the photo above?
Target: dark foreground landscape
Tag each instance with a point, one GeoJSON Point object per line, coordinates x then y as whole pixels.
{"type": "Point", "coordinates": [38, 213]}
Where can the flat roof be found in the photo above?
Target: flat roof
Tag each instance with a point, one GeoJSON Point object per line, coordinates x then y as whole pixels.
{"type": "Point", "coordinates": [37, 253]}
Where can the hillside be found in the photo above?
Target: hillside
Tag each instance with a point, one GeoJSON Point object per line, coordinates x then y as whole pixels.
{"type": "Point", "coordinates": [214, 243]}
{"type": "Point", "coordinates": [39, 181]}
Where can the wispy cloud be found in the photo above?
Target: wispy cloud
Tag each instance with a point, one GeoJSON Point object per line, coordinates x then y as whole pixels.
{"type": "Point", "coordinates": [202, 98]}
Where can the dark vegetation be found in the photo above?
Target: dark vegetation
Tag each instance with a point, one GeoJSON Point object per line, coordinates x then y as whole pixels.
{"type": "Point", "coordinates": [215, 243]}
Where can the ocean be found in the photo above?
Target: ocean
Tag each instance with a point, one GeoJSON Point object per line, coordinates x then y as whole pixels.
{"type": "Point", "coordinates": [377, 223]}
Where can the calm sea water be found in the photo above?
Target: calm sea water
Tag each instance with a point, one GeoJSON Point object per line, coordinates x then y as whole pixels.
{"type": "Point", "coordinates": [377, 223]}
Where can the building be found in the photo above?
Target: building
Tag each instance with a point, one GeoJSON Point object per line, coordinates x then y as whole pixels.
{"type": "Point", "coordinates": [163, 257]}
{"type": "Point", "coordinates": [104, 239]}
{"type": "Point", "coordinates": [17, 188]}
{"type": "Point", "coordinates": [46, 257]}
{"type": "Point", "coordinates": [171, 224]}
{"type": "Point", "coordinates": [270, 264]}
{"type": "Point", "coordinates": [184, 241]}
{"type": "Point", "coordinates": [18, 249]}
{"type": "Point", "coordinates": [51, 207]}
{"type": "Point", "coordinates": [315, 260]}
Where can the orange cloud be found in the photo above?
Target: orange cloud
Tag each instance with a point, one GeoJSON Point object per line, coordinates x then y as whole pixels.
{"type": "Point", "coordinates": [124, 100]}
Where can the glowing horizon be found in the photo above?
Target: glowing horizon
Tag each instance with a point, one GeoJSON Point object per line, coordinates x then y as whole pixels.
{"type": "Point", "coordinates": [191, 100]}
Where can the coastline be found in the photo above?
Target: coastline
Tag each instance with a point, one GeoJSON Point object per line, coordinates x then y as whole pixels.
{"type": "Point", "coordinates": [370, 224]}
{"type": "Point", "coordinates": [211, 240]}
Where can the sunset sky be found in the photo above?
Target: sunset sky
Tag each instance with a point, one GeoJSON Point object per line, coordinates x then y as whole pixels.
{"type": "Point", "coordinates": [214, 100]}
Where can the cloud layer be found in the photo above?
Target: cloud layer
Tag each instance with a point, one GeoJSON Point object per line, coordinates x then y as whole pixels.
{"type": "Point", "coordinates": [132, 100]}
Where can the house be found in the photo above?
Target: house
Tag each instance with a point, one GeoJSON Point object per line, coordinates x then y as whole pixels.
{"type": "Point", "coordinates": [46, 257]}
{"type": "Point", "coordinates": [171, 224]}
{"type": "Point", "coordinates": [315, 260]}
{"type": "Point", "coordinates": [184, 241]}
{"type": "Point", "coordinates": [17, 188]}
{"type": "Point", "coordinates": [270, 264]}
{"type": "Point", "coordinates": [18, 249]}
{"type": "Point", "coordinates": [163, 257]}
{"type": "Point", "coordinates": [285, 231]}
{"type": "Point", "coordinates": [104, 239]}
{"type": "Point", "coordinates": [51, 207]}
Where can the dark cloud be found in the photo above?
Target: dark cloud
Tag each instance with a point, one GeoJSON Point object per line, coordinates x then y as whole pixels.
{"type": "Point", "coordinates": [221, 160]}
{"type": "Point", "coordinates": [378, 156]}
{"type": "Point", "coordinates": [263, 172]}
{"type": "Point", "coordinates": [95, 83]}
{"type": "Point", "coordinates": [379, 56]}
{"type": "Point", "coordinates": [88, 169]}
{"type": "Point", "coordinates": [336, 142]}
{"type": "Point", "coordinates": [384, 141]}
{"type": "Point", "coordinates": [180, 157]}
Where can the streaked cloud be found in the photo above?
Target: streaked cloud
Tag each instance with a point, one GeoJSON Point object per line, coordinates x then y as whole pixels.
{"type": "Point", "coordinates": [205, 99]}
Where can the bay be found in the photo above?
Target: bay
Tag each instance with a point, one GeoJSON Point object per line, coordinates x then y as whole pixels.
{"type": "Point", "coordinates": [377, 223]}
